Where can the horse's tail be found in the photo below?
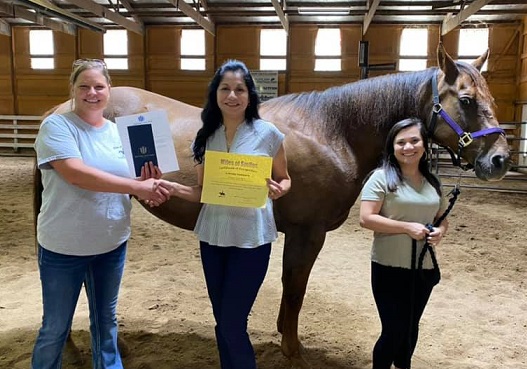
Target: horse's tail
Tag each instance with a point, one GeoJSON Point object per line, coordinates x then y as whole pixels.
{"type": "Point", "coordinates": [38, 187]}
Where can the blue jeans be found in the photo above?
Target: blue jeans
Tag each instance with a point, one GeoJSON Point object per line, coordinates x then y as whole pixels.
{"type": "Point", "coordinates": [62, 277]}
{"type": "Point", "coordinates": [234, 276]}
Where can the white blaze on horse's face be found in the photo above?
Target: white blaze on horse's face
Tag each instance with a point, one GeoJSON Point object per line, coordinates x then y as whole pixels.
{"type": "Point", "coordinates": [408, 147]}
{"type": "Point", "coordinates": [233, 96]}
{"type": "Point", "coordinates": [91, 91]}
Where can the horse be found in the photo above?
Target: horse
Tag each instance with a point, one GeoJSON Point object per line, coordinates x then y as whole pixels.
{"type": "Point", "coordinates": [334, 138]}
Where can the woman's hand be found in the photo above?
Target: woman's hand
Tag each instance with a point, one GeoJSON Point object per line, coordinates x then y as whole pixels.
{"type": "Point", "coordinates": [435, 236]}
{"type": "Point", "coordinates": [151, 193]}
{"type": "Point", "coordinates": [170, 187]}
{"type": "Point", "coordinates": [149, 170]}
{"type": "Point", "coordinates": [275, 189]}
{"type": "Point", "coordinates": [417, 231]}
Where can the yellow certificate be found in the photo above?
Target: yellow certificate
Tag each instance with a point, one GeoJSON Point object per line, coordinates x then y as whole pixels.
{"type": "Point", "coordinates": [235, 179]}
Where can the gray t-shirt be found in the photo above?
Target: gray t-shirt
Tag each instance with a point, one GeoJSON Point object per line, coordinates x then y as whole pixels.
{"type": "Point", "coordinates": [74, 221]}
{"type": "Point", "coordinates": [406, 204]}
{"type": "Point", "coordinates": [236, 226]}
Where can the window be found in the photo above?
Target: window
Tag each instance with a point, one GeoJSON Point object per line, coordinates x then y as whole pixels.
{"type": "Point", "coordinates": [193, 49]}
{"type": "Point", "coordinates": [472, 43]}
{"type": "Point", "coordinates": [41, 49]}
{"type": "Point", "coordinates": [116, 49]}
{"type": "Point", "coordinates": [413, 50]}
{"type": "Point", "coordinates": [273, 49]}
{"type": "Point", "coordinates": [327, 47]}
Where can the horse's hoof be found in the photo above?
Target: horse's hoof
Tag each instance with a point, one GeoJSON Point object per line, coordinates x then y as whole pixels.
{"type": "Point", "coordinates": [124, 350]}
{"type": "Point", "coordinates": [296, 359]}
{"type": "Point", "coordinates": [299, 363]}
{"type": "Point", "coordinates": [72, 355]}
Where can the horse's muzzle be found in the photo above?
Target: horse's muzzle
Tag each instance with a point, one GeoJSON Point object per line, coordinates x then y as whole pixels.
{"type": "Point", "coordinates": [493, 169]}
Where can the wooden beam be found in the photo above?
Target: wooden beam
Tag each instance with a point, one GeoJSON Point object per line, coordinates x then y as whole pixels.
{"type": "Point", "coordinates": [37, 18]}
{"type": "Point", "coordinates": [195, 15]}
{"type": "Point", "coordinates": [452, 21]}
{"type": "Point", "coordinates": [51, 10]}
{"type": "Point", "coordinates": [369, 16]}
{"type": "Point", "coordinates": [104, 12]}
{"type": "Point", "coordinates": [281, 15]}
{"type": "Point", "coordinates": [203, 4]}
{"type": "Point", "coordinates": [5, 28]}
{"type": "Point", "coordinates": [130, 9]}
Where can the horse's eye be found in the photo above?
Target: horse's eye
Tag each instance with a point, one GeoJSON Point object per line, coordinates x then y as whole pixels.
{"type": "Point", "coordinates": [466, 101]}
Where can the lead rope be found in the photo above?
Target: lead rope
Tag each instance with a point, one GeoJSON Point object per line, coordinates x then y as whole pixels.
{"type": "Point", "coordinates": [455, 193]}
{"type": "Point", "coordinates": [427, 247]}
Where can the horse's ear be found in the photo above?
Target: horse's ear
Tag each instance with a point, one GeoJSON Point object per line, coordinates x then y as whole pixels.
{"type": "Point", "coordinates": [447, 65]}
{"type": "Point", "coordinates": [478, 63]}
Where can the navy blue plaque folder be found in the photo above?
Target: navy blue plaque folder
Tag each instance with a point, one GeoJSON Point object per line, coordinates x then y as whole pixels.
{"type": "Point", "coordinates": [142, 145]}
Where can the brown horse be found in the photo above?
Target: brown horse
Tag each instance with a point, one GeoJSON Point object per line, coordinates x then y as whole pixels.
{"type": "Point", "coordinates": [334, 138]}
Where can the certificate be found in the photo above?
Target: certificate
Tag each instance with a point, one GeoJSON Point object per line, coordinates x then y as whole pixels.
{"type": "Point", "coordinates": [235, 179]}
{"type": "Point", "coordinates": [146, 137]}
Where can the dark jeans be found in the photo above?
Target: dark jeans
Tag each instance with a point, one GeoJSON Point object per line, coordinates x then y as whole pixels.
{"type": "Point", "coordinates": [401, 300]}
{"type": "Point", "coordinates": [234, 276]}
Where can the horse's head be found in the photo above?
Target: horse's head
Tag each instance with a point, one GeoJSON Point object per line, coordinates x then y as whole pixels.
{"type": "Point", "coordinates": [466, 122]}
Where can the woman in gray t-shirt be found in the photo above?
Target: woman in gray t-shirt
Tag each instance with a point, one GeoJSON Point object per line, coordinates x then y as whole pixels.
{"type": "Point", "coordinates": [84, 220]}
{"type": "Point", "coordinates": [398, 200]}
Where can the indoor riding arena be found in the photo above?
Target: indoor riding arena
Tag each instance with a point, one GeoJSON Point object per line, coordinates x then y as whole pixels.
{"type": "Point", "coordinates": [477, 314]}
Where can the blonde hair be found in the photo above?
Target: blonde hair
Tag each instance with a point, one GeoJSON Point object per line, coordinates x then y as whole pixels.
{"type": "Point", "coordinates": [80, 65]}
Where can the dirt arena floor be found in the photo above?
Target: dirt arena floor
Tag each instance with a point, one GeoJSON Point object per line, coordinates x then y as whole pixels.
{"type": "Point", "coordinates": [477, 316]}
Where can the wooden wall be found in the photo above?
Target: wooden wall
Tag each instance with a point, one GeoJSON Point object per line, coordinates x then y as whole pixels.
{"type": "Point", "coordinates": [7, 105]}
{"type": "Point", "coordinates": [155, 63]}
{"type": "Point", "coordinates": [502, 76]}
{"type": "Point", "coordinates": [522, 67]}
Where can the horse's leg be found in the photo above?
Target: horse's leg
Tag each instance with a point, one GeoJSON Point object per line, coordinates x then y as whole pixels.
{"type": "Point", "coordinates": [71, 353]}
{"type": "Point", "coordinates": [302, 245]}
{"type": "Point", "coordinates": [124, 350]}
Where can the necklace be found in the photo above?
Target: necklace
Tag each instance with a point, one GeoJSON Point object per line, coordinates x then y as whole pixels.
{"type": "Point", "coordinates": [230, 134]}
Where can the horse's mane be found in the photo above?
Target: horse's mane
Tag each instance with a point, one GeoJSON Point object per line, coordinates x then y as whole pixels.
{"type": "Point", "coordinates": [373, 102]}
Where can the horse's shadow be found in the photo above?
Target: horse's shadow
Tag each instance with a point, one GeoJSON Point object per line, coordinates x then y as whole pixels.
{"type": "Point", "coordinates": [172, 350]}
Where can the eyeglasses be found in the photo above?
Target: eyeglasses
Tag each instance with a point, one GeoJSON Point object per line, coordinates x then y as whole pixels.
{"type": "Point", "coordinates": [77, 63]}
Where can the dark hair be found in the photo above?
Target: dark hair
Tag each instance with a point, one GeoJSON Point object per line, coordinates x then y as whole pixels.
{"type": "Point", "coordinates": [390, 164]}
{"type": "Point", "coordinates": [211, 115]}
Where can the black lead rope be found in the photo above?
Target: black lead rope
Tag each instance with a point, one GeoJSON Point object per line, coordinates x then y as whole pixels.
{"type": "Point", "coordinates": [426, 248]}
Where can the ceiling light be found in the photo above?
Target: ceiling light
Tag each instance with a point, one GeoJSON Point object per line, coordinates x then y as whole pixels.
{"type": "Point", "coordinates": [324, 10]}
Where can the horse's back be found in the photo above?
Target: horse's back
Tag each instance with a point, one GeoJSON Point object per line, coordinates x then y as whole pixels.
{"type": "Point", "coordinates": [319, 169]}
{"type": "Point", "coordinates": [322, 166]}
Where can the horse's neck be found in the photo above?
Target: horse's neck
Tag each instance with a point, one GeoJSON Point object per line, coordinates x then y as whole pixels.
{"type": "Point", "coordinates": [375, 106]}
{"type": "Point", "coordinates": [383, 101]}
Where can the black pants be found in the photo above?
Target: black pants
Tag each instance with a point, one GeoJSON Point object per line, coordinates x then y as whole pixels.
{"type": "Point", "coordinates": [401, 300]}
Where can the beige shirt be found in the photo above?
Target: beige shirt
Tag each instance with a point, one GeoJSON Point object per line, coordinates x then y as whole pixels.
{"type": "Point", "coordinates": [407, 204]}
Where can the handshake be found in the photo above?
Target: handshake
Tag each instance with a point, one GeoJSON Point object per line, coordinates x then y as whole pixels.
{"type": "Point", "coordinates": [151, 189]}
